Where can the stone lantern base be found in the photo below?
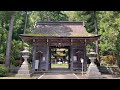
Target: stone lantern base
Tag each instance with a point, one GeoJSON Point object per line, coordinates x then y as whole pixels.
{"type": "Point", "coordinates": [24, 70]}
{"type": "Point", "coordinates": [93, 72]}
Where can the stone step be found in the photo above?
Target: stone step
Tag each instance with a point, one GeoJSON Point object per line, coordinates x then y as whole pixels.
{"type": "Point", "coordinates": [24, 71]}
{"type": "Point", "coordinates": [39, 72]}
{"type": "Point", "coordinates": [23, 75]}
{"type": "Point", "coordinates": [23, 68]}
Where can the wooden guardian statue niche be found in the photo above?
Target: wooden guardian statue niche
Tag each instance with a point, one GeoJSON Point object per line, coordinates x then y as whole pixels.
{"type": "Point", "coordinates": [38, 60]}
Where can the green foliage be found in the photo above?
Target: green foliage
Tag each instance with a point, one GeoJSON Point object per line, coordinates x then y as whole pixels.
{"type": "Point", "coordinates": [108, 26]}
{"type": "Point", "coordinates": [118, 49]}
{"type": "Point", "coordinates": [16, 52]}
{"type": "Point", "coordinates": [3, 71]}
{"type": "Point", "coordinates": [109, 59]}
{"type": "Point", "coordinates": [2, 58]}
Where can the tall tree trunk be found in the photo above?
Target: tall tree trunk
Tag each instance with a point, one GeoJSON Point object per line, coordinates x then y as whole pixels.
{"type": "Point", "coordinates": [96, 31]}
{"type": "Point", "coordinates": [8, 50]}
{"type": "Point", "coordinates": [24, 29]}
{"type": "Point", "coordinates": [2, 33]}
{"type": "Point", "coordinates": [25, 22]}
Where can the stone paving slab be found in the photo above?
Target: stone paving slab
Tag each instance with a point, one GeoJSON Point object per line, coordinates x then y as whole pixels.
{"type": "Point", "coordinates": [72, 76]}
{"type": "Point", "coordinates": [58, 76]}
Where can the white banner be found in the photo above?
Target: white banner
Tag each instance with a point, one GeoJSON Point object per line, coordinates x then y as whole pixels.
{"type": "Point", "coordinates": [36, 64]}
{"type": "Point", "coordinates": [43, 59]}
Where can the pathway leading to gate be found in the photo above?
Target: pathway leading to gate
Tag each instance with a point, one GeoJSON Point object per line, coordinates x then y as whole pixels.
{"type": "Point", "coordinates": [70, 76]}
{"type": "Point", "coordinates": [60, 76]}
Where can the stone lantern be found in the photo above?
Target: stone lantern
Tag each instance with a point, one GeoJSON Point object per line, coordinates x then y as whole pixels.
{"type": "Point", "coordinates": [93, 71]}
{"type": "Point", "coordinates": [24, 69]}
{"type": "Point", "coordinates": [92, 55]}
{"type": "Point", "coordinates": [25, 55]}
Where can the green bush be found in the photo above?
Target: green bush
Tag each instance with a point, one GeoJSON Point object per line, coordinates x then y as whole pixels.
{"type": "Point", "coordinates": [2, 58]}
{"type": "Point", "coordinates": [3, 71]}
{"type": "Point", "coordinates": [109, 59]}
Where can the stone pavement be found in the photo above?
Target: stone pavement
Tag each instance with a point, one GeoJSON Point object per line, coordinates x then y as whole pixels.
{"type": "Point", "coordinates": [70, 76]}
{"type": "Point", "coordinates": [111, 77]}
{"type": "Point", "coordinates": [60, 76]}
{"type": "Point", "coordinates": [57, 76]}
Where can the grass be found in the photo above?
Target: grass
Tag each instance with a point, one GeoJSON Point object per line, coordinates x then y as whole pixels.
{"type": "Point", "coordinates": [59, 65]}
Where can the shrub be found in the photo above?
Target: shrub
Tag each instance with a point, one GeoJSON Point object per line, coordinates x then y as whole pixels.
{"type": "Point", "coordinates": [3, 71]}
{"type": "Point", "coordinates": [109, 59]}
{"type": "Point", "coordinates": [2, 58]}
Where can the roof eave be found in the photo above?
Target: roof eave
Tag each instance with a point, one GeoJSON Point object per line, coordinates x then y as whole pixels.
{"type": "Point", "coordinates": [74, 37]}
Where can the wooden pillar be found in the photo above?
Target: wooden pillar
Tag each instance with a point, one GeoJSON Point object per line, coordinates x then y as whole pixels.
{"type": "Point", "coordinates": [85, 59]}
{"type": "Point", "coordinates": [33, 58]}
{"type": "Point", "coordinates": [97, 50]}
{"type": "Point", "coordinates": [71, 56]}
{"type": "Point", "coordinates": [71, 59]}
{"type": "Point", "coordinates": [47, 56]}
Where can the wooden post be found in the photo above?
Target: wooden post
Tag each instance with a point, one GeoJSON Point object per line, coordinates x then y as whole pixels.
{"type": "Point", "coordinates": [33, 58]}
{"type": "Point", "coordinates": [85, 60]}
{"type": "Point", "coordinates": [71, 58]}
{"type": "Point", "coordinates": [47, 56]}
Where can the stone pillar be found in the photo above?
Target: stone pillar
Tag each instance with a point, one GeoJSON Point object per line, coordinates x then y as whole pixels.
{"type": "Point", "coordinates": [93, 71]}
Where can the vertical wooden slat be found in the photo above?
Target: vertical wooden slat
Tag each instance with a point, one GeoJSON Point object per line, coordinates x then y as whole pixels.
{"type": "Point", "coordinates": [33, 58]}
{"type": "Point", "coordinates": [71, 58]}
{"type": "Point", "coordinates": [85, 59]}
{"type": "Point", "coordinates": [47, 56]}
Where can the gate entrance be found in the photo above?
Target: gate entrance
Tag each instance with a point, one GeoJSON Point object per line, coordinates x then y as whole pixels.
{"type": "Point", "coordinates": [59, 58]}
{"type": "Point", "coordinates": [59, 45]}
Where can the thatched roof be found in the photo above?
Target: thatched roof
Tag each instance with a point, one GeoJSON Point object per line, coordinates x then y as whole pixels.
{"type": "Point", "coordinates": [65, 29]}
